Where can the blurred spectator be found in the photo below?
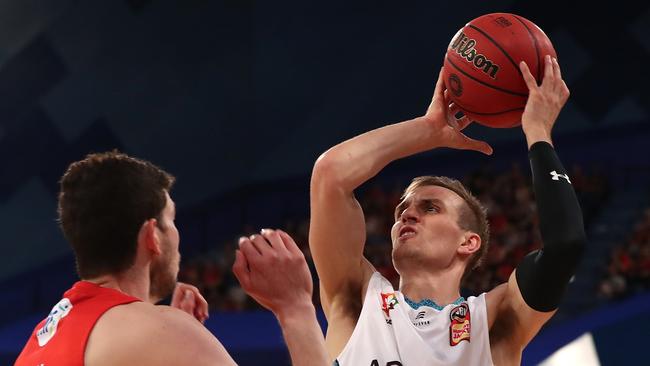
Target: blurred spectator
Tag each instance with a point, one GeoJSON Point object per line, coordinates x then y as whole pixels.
{"type": "Point", "coordinates": [628, 272]}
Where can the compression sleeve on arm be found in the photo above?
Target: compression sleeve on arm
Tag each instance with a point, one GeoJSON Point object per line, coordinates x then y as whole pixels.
{"type": "Point", "coordinates": [543, 275]}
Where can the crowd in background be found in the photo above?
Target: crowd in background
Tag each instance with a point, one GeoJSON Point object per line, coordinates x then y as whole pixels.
{"type": "Point", "coordinates": [509, 199]}
{"type": "Point", "coordinates": [628, 271]}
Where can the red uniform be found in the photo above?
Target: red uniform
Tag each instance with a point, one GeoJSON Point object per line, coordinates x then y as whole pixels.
{"type": "Point", "coordinates": [60, 339]}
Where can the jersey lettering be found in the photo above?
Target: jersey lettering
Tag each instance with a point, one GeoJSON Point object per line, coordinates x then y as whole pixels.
{"type": "Point", "coordinates": [389, 363]}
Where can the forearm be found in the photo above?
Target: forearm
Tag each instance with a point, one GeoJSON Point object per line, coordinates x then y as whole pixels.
{"type": "Point", "coordinates": [303, 336]}
{"type": "Point", "coordinates": [543, 276]}
{"type": "Point", "coordinates": [536, 134]}
{"type": "Point", "coordinates": [354, 161]}
{"type": "Point", "coordinates": [560, 215]}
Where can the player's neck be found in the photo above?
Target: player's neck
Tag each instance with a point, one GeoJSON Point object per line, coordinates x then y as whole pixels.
{"type": "Point", "coordinates": [442, 287]}
{"type": "Point", "coordinates": [131, 282]}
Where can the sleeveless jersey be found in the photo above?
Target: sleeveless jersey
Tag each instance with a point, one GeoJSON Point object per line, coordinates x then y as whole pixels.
{"type": "Point", "coordinates": [60, 339]}
{"type": "Point", "coordinates": [391, 333]}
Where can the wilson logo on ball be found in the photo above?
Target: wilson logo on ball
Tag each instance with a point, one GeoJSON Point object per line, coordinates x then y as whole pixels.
{"type": "Point", "coordinates": [465, 47]}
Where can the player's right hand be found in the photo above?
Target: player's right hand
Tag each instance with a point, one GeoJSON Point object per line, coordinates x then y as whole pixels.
{"type": "Point", "coordinates": [447, 129]}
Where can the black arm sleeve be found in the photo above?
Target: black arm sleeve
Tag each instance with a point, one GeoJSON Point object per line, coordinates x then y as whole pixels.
{"type": "Point", "coordinates": [544, 274]}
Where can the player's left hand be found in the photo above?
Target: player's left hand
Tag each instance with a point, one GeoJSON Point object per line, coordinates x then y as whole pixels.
{"type": "Point", "coordinates": [544, 101]}
{"type": "Point", "coordinates": [188, 299]}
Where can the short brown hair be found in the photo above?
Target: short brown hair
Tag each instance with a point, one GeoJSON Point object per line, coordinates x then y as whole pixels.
{"type": "Point", "coordinates": [104, 200]}
{"type": "Point", "coordinates": [472, 216]}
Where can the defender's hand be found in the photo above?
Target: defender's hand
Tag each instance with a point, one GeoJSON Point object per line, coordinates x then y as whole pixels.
{"type": "Point", "coordinates": [272, 270]}
{"type": "Point", "coordinates": [188, 298]}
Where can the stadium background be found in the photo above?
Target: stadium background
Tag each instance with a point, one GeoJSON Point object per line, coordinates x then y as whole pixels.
{"type": "Point", "coordinates": [238, 98]}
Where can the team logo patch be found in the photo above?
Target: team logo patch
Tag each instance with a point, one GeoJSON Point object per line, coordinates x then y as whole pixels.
{"type": "Point", "coordinates": [388, 302]}
{"type": "Point", "coordinates": [60, 310]}
{"type": "Point", "coordinates": [460, 327]}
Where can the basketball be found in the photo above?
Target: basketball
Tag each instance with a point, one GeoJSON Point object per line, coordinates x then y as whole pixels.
{"type": "Point", "coordinates": [481, 67]}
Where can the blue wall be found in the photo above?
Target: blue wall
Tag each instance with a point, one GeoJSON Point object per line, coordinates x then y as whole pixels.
{"type": "Point", "coordinates": [620, 333]}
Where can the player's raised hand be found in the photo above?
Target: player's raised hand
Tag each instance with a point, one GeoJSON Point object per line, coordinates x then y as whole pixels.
{"type": "Point", "coordinates": [441, 114]}
{"type": "Point", "coordinates": [545, 101]}
{"type": "Point", "coordinates": [271, 269]}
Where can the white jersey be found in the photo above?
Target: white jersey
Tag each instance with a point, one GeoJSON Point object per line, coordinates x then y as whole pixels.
{"type": "Point", "coordinates": [391, 333]}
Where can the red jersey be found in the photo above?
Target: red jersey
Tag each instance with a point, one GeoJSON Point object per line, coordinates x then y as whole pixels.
{"type": "Point", "coordinates": [60, 339]}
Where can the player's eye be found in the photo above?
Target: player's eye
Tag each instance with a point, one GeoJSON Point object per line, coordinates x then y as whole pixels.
{"type": "Point", "coordinates": [432, 208]}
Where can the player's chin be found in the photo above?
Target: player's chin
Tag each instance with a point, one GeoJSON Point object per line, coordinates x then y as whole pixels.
{"type": "Point", "coordinates": [402, 251]}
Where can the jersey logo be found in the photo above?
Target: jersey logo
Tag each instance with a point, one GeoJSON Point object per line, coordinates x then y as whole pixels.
{"type": "Point", "coordinates": [556, 176]}
{"type": "Point", "coordinates": [59, 311]}
{"type": "Point", "coordinates": [459, 329]}
{"type": "Point", "coordinates": [388, 302]}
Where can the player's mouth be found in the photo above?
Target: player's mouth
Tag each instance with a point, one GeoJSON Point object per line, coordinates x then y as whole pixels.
{"type": "Point", "coordinates": [406, 233]}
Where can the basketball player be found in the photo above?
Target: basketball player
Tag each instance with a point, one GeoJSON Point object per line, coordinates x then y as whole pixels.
{"type": "Point", "coordinates": [439, 235]}
{"type": "Point", "coordinates": [117, 214]}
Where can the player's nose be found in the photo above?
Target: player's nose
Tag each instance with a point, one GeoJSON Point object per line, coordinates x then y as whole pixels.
{"type": "Point", "coordinates": [410, 215]}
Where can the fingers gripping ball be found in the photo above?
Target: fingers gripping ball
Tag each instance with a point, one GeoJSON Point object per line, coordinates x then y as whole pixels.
{"type": "Point", "coordinates": [482, 72]}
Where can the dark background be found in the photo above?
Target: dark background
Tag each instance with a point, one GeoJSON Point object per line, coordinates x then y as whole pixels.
{"type": "Point", "coordinates": [238, 99]}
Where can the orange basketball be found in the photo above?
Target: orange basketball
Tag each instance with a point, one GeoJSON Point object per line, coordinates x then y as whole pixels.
{"type": "Point", "coordinates": [481, 68]}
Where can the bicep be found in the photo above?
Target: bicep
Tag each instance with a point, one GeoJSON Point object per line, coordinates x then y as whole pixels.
{"type": "Point", "coordinates": [337, 235]}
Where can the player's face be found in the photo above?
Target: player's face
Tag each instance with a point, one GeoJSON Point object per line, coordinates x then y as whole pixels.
{"type": "Point", "coordinates": [426, 230]}
{"type": "Point", "coordinates": [164, 269]}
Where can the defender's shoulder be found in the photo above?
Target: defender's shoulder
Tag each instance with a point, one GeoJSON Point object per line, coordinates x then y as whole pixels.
{"type": "Point", "coordinates": [145, 334]}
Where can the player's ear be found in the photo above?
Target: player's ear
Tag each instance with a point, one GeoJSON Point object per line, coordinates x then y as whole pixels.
{"type": "Point", "coordinates": [471, 243]}
{"type": "Point", "coordinates": [148, 237]}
